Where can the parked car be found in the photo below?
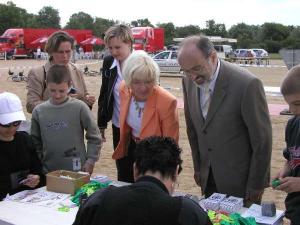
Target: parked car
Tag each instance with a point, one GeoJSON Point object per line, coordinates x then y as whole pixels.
{"type": "Point", "coordinates": [260, 53]}
{"type": "Point", "coordinates": [167, 61]}
{"type": "Point", "coordinates": [223, 51]}
{"type": "Point", "coordinates": [244, 53]}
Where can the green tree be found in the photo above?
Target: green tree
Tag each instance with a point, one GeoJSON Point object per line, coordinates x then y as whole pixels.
{"type": "Point", "coordinates": [11, 16]}
{"type": "Point", "coordinates": [101, 25]}
{"type": "Point", "coordinates": [80, 20]}
{"type": "Point", "coordinates": [48, 17]}
{"type": "Point", "coordinates": [245, 35]}
{"type": "Point", "coordinates": [274, 32]}
{"type": "Point", "coordinates": [141, 23]}
{"type": "Point", "coordinates": [32, 21]}
{"type": "Point", "coordinates": [215, 29]}
{"type": "Point", "coordinates": [182, 32]}
{"type": "Point", "coordinates": [293, 40]}
{"type": "Point", "coordinates": [169, 32]}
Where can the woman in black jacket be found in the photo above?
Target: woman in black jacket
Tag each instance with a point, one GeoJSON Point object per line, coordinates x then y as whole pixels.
{"type": "Point", "coordinates": [118, 39]}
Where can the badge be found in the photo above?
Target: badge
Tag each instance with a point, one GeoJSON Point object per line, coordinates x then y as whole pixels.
{"type": "Point", "coordinates": [76, 164]}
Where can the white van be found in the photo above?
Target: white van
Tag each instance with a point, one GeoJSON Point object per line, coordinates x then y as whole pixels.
{"type": "Point", "coordinates": [223, 51]}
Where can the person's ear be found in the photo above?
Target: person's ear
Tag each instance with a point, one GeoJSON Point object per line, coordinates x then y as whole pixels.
{"type": "Point", "coordinates": [176, 173]}
{"type": "Point", "coordinates": [214, 57]}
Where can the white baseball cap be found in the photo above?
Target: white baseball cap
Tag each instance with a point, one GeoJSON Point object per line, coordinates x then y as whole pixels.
{"type": "Point", "coordinates": [10, 108]}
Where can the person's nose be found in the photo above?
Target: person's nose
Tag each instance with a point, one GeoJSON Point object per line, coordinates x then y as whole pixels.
{"type": "Point", "coordinates": [193, 76]}
{"type": "Point", "coordinates": [113, 52]}
{"type": "Point", "coordinates": [56, 95]}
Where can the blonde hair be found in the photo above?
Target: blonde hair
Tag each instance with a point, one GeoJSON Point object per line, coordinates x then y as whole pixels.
{"type": "Point", "coordinates": [140, 66]}
{"type": "Point", "coordinates": [120, 31]}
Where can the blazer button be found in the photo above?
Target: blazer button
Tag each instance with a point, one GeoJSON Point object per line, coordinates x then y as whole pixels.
{"type": "Point", "coordinates": [204, 132]}
{"type": "Point", "coordinates": [209, 149]}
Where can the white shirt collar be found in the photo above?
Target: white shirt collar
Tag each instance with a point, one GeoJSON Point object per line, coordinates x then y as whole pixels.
{"type": "Point", "coordinates": [116, 63]}
{"type": "Point", "coordinates": [212, 80]}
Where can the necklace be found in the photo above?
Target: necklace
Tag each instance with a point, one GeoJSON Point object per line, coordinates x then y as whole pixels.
{"type": "Point", "coordinates": [138, 108]}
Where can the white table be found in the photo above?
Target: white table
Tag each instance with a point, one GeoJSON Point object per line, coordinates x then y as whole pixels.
{"type": "Point", "coordinates": [17, 213]}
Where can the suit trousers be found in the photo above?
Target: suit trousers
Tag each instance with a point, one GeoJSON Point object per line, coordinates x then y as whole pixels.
{"type": "Point", "coordinates": [210, 185]}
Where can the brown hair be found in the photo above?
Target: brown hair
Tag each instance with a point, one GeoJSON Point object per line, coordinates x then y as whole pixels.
{"type": "Point", "coordinates": [291, 83]}
{"type": "Point", "coordinates": [56, 39]}
{"type": "Point", "coordinates": [121, 31]}
{"type": "Point", "coordinates": [58, 74]}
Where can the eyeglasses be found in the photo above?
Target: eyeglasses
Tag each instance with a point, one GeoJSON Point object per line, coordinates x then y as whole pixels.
{"type": "Point", "coordinates": [13, 124]}
{"type": "Point", "coordinates": [198, 69]}
{"type": "Point", "coordinates": [139, 82]}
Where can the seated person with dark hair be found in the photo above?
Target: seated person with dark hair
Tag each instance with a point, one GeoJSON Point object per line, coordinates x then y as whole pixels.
{"type": "Point", "coordinates": [148, 200]}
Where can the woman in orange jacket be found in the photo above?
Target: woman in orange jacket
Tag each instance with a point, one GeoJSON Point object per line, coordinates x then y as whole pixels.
{"type": "Point", "coordinates": [146, 110]}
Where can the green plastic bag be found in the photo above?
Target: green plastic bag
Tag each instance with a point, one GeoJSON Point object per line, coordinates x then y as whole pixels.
{"type": "Point", "coordinates": [88, 189]}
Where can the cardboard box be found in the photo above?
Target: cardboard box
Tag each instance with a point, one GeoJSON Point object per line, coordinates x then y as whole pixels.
{"type": "Point", "coordinates": [64, 181]}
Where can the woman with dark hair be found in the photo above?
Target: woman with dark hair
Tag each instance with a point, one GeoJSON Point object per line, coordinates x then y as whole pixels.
{"type": "Point", "coordinates": [59, 47]}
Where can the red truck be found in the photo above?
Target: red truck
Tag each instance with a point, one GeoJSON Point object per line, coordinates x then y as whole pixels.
{"type": "Point", "coordinates": [23, 42]}
{"type": "Point", "coordinates": [148, 39]}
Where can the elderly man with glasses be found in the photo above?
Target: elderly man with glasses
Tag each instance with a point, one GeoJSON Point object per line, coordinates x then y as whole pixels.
{"type": "Point", "coordinates": [228, 123]}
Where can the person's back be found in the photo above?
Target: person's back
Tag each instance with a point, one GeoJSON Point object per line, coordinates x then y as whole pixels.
{"type": "Point", "coordinates": [140, 203]}
{"type": "Point", "coordinates": [58, 127]}
{"type": "Point", "coordinates": [148, 200]}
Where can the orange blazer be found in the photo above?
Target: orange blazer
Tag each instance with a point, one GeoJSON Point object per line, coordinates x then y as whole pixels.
{"type": "Point", "coordinates": [160, 117]}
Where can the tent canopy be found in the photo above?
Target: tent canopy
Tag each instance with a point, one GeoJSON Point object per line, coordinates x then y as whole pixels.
{"type": "Point", "coordinates": [93, 41]}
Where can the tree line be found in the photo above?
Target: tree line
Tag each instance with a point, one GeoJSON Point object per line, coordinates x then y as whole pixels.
{"type": "Point", "coordinates": [270, 36]}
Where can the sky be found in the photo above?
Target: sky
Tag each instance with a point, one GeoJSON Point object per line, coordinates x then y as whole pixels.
{"type": "Point", "coordinates": [180, 13]}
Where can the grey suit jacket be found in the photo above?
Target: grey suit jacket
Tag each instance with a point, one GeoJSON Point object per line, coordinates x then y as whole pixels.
{"type": "Point", "coordinates": [235, 140]}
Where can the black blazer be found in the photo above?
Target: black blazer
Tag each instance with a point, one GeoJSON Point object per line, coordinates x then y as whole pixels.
{"type": "Point", "coordinates": [106, 98]}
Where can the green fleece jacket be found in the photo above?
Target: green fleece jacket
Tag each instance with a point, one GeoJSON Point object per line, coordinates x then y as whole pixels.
{"type": "Point", "coordinates": [58, 134]}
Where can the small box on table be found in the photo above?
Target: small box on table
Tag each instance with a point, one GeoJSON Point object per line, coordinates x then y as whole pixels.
{"type": "Point", "coordinates": [64, 181]}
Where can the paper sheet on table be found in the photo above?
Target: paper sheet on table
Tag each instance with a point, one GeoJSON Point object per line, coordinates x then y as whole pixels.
{"type": "Point", "coordinates": [255, 211]}
{"type": "Point", "coordinates": [38, 197]}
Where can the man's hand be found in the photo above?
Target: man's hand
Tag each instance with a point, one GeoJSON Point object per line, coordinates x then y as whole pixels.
{"type": "Point", "coordinates": [289, 184]}
{"type": "Point", "coordinates": [197, 178]}
{"type": "Point", "coordinates": [90, 99]}
{"type": "Point", "coordinates": [88, 167]}
{"type": "Point", "coordinates": [254, 196]}
{"type": "Point", "coordinates": [102, 132]}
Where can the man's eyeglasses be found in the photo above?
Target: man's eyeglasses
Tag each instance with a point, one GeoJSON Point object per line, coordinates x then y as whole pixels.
{"type": "Point", "coordinates": [13, 124]}
{"type": "Point", "coordinates": [198, 69]}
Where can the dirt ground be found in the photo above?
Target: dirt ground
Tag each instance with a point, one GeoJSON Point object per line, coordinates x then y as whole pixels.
{"type": "Point", "coordinates": [269, 76]}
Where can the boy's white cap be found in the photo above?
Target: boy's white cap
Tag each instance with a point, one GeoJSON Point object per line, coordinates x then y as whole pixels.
{"type": "Point", "coordinates": [10, 108]}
